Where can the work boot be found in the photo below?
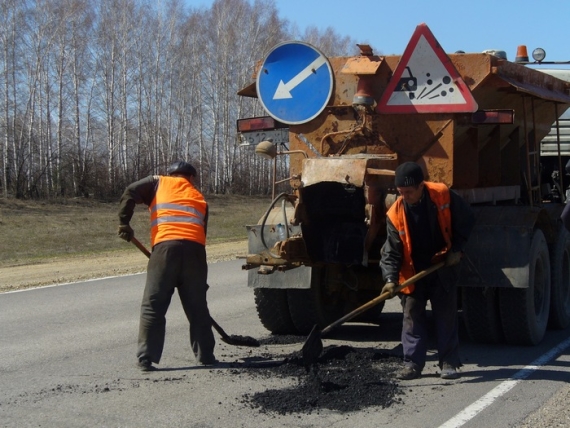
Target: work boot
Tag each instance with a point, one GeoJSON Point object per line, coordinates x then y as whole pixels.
{"type": "Point", "coordinates": [449, 372]}
{"type": "Point", "coordinates": [146, 365]}
{"type": "Point", "coordinates": [209, 362]}
{"type": "Point", "coordinates": [409, 372]}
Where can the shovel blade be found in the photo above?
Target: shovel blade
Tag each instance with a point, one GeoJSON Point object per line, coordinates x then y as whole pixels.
{"type": "Point", "coordinates": [312, 347]}
{"type": "Point", "coordinates": [236, 340]}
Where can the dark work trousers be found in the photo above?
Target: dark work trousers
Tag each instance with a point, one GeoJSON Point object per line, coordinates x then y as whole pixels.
{"type": "Point", "coordinates": [176, 264]}
{"type": "Point", "coordinates": [443, 298]}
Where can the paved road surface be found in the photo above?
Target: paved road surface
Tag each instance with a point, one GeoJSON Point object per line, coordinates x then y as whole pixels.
{"type": "Point", "coordinates": [67, 359]}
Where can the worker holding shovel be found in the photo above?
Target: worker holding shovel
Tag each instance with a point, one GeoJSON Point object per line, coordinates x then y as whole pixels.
{"type": "Point", "coordinates": [426, 224]}
{"type": "Point", "coordinates": [179, 216]}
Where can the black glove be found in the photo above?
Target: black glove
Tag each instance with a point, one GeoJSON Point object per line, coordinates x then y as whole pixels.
{"type": "Point", "coordinates": [453, 258]}
{"type": "Point", "coordinates": [389, 287]}
{"type": "Point", "coordinates": [126, 232]}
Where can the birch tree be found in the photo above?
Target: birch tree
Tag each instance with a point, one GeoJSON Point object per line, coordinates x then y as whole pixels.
{"type": "Point", "coordinates": [97, 94]}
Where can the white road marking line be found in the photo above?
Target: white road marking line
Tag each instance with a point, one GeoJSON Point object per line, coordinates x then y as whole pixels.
{"type": "Point", "coordinates": [70, 283]}
{"type": "Point", "coordinates": [471, 411]}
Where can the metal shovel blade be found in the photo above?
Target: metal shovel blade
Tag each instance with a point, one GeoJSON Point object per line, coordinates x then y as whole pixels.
{"type": "Point", "coordinates": [313, 346]}
{"type": "Point", "coordinates": [235, 339]}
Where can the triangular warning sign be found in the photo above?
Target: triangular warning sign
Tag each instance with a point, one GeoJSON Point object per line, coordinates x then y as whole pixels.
{"type": "Point", "coordinates": [425, 81]}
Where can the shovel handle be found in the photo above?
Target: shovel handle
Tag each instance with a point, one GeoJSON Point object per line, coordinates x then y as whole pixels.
{"type": "Point", "coordinates": [382, 297]}
{"type": "Point", "coordinates": [140, 246]}
{"type": "Point", "coordinates": [219, 329]}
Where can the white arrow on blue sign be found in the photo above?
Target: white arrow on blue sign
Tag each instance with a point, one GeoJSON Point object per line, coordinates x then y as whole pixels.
{"type": "Point", "coordinates": [294, 83]}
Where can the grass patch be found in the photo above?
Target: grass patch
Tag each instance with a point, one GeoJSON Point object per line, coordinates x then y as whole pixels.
{"type": "Point", "coordinates": [35, 230]}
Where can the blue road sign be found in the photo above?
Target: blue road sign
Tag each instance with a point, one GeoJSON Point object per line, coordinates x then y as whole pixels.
{"type": "Point", "coordinates": [294, 83]}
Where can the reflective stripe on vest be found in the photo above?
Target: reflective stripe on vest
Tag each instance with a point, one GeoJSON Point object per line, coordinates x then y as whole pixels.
{"type": "Point", "coordinates": [199, 217]}
{"type": "Point", "coordinates": [178, 211]}
{"type": "Point", "coordinates": [439, 195]}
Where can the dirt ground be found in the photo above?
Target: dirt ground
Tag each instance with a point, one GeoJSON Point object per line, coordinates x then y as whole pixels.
{"type": "Point", "coordinates": [79, 268]}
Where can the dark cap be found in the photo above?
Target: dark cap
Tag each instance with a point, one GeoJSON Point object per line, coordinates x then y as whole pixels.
{"type": "Point", "coordinates": [183, 168]}
{"type": "Point", "coordinates": [408, 174]}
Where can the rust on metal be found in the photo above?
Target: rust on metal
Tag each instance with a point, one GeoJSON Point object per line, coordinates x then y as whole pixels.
{"type": "Point", "coordinates": [375, 171]}
{"type": "Point", "coordinates": [449, 147]}
{"type": "Point", "coordinates": [344, 170]}
{"type": "Point", "coordinates": [249, 91]}
{"type": "Point", "coordinates": [362, 65]}
{"type": "Point", "coordinates": [264, 259]}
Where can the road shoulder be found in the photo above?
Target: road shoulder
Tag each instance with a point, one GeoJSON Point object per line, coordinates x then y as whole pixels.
{"type": "Point", "coordinates": [80, 268]}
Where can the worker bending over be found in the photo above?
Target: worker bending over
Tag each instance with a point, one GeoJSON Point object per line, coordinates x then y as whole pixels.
{"type": "Point", "coordinates": [179, 218]}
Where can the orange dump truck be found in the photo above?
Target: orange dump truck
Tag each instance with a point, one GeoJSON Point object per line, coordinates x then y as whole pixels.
{"type": "Point", "coordinates": [474, 121]}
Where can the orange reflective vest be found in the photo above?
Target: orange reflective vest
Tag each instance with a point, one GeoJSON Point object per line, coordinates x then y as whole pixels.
{"type": "Point", "coordinates": [178, 211]}
{"type": "Point", "coordinates": [439, 194]}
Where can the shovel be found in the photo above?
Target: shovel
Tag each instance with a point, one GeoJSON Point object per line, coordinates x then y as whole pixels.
{"type": "Point", "coordinates": [230, 340]}
{"type": "Point", "coordinates": [313, 346]}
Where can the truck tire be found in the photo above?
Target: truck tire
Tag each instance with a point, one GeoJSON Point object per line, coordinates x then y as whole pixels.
{"type": "Point", "coordinates": [560, 292]}
{"type": "Point", "coordinates": [315, 305]}
{"type": "Point", "coordinates": [303, 310]}
{"type": "Point", "coordinates": [273, 310]}
{"type": "Point", "coordinates": [524, 311]}
{"type": "Point", "coordinates": [481, 314]}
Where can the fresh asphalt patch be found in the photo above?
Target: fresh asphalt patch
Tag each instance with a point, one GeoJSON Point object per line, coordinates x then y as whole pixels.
{"type": "Point", "coordinates": [345, 379]}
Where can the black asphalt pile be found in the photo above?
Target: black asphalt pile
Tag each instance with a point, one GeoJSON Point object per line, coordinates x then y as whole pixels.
{"type": "Point", "coordinates": [282, 339]}
{"type": "Point", "coordinates": [345, 379]}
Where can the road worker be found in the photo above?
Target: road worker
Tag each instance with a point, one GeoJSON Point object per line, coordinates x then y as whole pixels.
{"type": "Point", "coordinates": [179, 218]}
{"type": "Point", "coordinates": [426, 224]}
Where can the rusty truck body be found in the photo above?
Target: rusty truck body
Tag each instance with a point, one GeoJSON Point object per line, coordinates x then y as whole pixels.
{"type": "Point", "coordinates": [314, 255]}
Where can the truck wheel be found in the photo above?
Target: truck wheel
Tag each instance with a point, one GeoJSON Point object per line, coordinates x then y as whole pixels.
{"type": "Point", "coordinates": [372, 315]}
{"type": "Point", "coordinates": [560, 291]}
{"type": "Point", "coordinates": [317, 305]}
{"type": "Point", "coordinates": [273, 310]}
{"type": "Point", "coordinates": [524, 311]}
{"type": "Point", "coordinates": [481, 314]}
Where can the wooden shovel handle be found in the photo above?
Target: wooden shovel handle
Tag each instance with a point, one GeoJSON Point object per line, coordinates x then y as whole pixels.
{"type": "Point", "coordinates": [140, 246]}
{"type": "Point", "coordinates": [382, 297]}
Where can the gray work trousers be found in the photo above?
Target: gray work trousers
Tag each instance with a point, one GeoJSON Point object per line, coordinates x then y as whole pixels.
{"type": "Point", "coordinates": [443, 298]}
{"type": "Point", "coordinates": [177, 264]}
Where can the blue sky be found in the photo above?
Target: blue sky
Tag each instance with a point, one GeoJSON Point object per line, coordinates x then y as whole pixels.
{"type": "Point", "coordinates": [457, 25]}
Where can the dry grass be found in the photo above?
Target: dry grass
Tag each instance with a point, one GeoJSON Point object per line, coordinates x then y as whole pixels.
{"type": "Point", "coordinates": [32, 230]}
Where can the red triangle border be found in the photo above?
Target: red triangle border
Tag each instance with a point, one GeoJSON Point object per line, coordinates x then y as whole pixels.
{"type": "Point", "coordinates": [470, 104]}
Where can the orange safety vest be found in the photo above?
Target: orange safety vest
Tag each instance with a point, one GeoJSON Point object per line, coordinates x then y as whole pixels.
{"type": "Point", "coordinates": [178, 211]}
{"type": "Point", "coordinates": [439, 194]}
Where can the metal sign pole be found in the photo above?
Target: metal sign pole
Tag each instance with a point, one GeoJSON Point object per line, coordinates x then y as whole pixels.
{"type": "Point", "coordinates": [274, 178]}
